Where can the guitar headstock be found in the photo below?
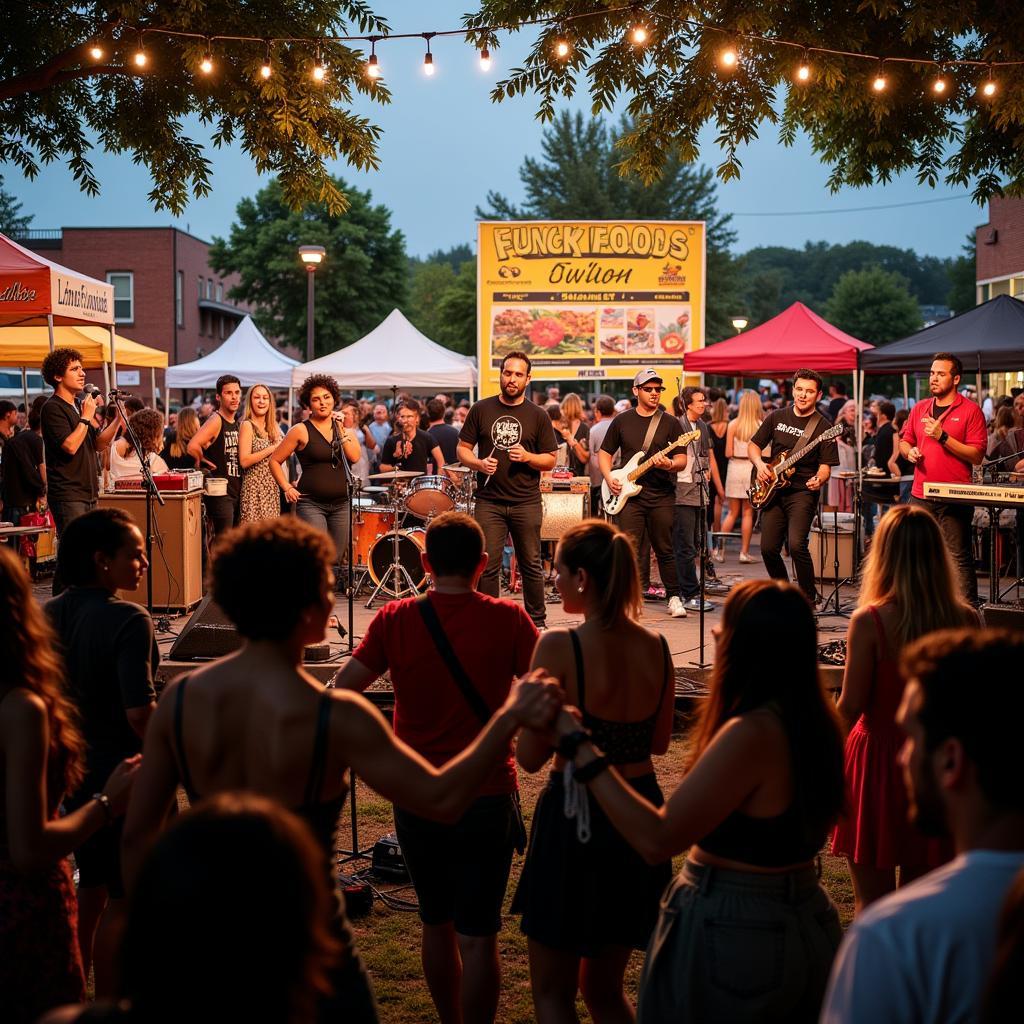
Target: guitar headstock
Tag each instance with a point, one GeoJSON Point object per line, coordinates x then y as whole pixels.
{"type": "Point", "coordinates": [833, 431]}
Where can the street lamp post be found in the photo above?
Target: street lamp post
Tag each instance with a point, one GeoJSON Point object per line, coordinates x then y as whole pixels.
{"type": "Point", "coordinates": [739, 323]}
{"type": "Point", "coordinates": [312, 256]}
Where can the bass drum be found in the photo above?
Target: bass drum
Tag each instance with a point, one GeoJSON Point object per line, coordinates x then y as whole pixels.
{"type": "Point", "coordinates": [411, 544]}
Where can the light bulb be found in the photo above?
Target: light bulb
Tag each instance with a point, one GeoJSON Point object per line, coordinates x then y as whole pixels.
{"type": "Point", "coordinates": [485, 60]}
{"type": "Point", "coordinates": [206, 65]}
{"type": "Point", "coordinates": [140, 59]}
{"type": "Point", "coordinates": [728, 58]}
{"type": "Point", "coordinates": [96, 51]}
{"type": "Point", "coordinates": [939, 86]}
{"type": "Point", "coordinates": [562, 48]}
{"type": "Point", "coordinates": [803, 73]}
{"type": "Point", "coordinates": [879, 83]}
{"type": "Point", "coordinates": [639, 35]}
{"type": "Point", "coordinates": [428, 64]}
{"type": "Point", "coordinates": [373, 67]}
{"type": "Point", "coordinates": [319, 72]}
{"type": "Point", "coordinates": [266, 71]}
{"type": "Point", "coordinates": [989, 88]}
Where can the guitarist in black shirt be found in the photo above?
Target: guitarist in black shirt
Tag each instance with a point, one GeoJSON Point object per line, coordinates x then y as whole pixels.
{"type": "Point", "coordinates": [787, 516]}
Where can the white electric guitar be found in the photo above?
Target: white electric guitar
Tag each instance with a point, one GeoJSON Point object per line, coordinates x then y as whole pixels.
{"type": "Point", "coordinates": [633, 470]}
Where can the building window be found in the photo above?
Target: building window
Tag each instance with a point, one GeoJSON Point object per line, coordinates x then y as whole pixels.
{"type": "Point", "coordinates": [124, 289]}
{"type": "Point", "coordinates": [220, 292]}
{"type": "Point", "coordinates": [209, 287]}
{"type": "Point", "coordinates": [179, 298]}
{"type": "Point", "coordinates": [200, 292]}
{"type": "Point", "coordinates": [984, 292]}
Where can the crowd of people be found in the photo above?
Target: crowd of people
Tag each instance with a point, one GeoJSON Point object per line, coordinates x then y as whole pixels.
{"type": "Point", "coordinates": [910, 776]}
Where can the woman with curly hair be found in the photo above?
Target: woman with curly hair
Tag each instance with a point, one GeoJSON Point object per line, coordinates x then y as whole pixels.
{"type": "Point", "coordinates": [256, 720]}
{"type": "Point", "coordinates": [321, 443]}
{"type": "Point", "coordinates": [42, 757]}
{"type": "Point", "coordinates": [148, 426]}
{"type": "Point", "coordinates": [258, 436]}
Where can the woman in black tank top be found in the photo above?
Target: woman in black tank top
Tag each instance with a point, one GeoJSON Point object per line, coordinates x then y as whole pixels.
{"type": "Point", "coordinates": [589, 901]}
{"type": "Point", "coordinates": [321, 496]}
{"type": "Point", "coordinates": [255, 720]}
{"type": "Point", "coordinates": [746, 931]}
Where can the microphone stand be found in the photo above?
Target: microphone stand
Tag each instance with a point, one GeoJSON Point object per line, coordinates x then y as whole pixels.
{"type": "Point", "coordinates": [149, 487]}
{"type": "Point", "coordinates": [702, 547]}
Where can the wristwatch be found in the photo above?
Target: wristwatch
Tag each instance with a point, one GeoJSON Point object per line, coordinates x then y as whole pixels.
{"type": "Point", "coordinates": [82, 419]}
{"type": "Point", "coordinates": [943, 437]}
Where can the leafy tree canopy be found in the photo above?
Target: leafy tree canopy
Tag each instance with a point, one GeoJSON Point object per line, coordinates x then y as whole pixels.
{"type": "Point", "coordinates": [442, 303]}
{"type": "Point", "coordinates": [12, 220]}
{"type": "Point", "coordinates": [962, 293]}
{"type": "Point", "coordinates": [363, 277]}
{"type": "Point", "coordinates": [577, 178]}
{"type": "Point", "coordinates": [675, 84]}
{"type": "Point", "coordinates": [873, 305]}
{"type": "Point", "coordinates": [56, 99]}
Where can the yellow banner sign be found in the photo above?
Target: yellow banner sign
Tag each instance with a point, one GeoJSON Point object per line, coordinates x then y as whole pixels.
{"type": "Point", "coordinates": [589, 299]}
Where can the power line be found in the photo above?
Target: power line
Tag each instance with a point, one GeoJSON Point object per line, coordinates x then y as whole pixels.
{"type": "Point", "coordinates": [851, 209]}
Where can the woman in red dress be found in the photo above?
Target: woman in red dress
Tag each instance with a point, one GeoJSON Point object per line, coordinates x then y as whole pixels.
{"type": "Point", "coordinates": [43, 754]}
{"type": "Point", "coordinates": [909, 588]}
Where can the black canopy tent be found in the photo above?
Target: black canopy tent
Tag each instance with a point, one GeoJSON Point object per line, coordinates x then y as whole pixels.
{"type": "Point", "coordinates": [988, 339]}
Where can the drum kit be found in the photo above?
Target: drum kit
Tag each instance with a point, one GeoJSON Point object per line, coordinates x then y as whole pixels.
{"type": "Point", "coordinates": [389, 526]}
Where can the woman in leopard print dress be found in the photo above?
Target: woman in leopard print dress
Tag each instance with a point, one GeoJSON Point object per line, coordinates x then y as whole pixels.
{"type": "Point", "coordinates": [258, 436]}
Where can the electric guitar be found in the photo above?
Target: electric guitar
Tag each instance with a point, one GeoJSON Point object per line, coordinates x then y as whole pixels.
{"type": "Point", "coordinates": [782, 468]}
{"type": "Point", "coordinates": [633, 470]}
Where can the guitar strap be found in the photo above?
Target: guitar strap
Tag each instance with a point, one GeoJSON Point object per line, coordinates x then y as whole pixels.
{"type": "Point", "coordinates": [652, 429]}
{"type": "Point", "coordinates": [805, 437]}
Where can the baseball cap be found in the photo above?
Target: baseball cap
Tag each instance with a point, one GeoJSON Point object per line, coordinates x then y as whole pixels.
{"type": "Point", "coordinates": [645, 375]}
{"type": "Point", "coordinates": [623, 405]}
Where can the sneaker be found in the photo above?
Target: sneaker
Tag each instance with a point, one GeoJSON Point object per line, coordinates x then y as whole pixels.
{"type": "Point", "coordinates": [746, 559]}
{"type": "Point", "coordinates": [675, 608]}
{"type": "Point", "coordinates": [693, 605]}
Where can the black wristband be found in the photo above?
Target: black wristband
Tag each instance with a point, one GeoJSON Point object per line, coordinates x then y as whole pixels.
{"type": "Point", "coordinates": [943, 437]}
{"type": "Point", "coordinates": [82, 419]}
{"type": "Point", "coordinates": [570, 743]}
{"type": "Point", "coordinates": [591, 770]}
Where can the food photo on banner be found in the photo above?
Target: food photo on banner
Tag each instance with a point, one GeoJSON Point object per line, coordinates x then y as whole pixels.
{"type": "Point", "coordinates": [589, 300]}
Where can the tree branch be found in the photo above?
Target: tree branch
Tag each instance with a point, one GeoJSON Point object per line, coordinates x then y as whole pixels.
{"type": "Point", "coordinates": [38, 82]}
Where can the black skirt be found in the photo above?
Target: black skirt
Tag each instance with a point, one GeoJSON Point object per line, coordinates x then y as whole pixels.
{"type": "Point", "coordinates": [583, 898]}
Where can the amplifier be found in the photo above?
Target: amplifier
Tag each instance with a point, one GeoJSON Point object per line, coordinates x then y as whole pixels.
{"type": "Point", "coordinates": [190, 480]}
{"type": "Point", "coordinates": [388, 860]}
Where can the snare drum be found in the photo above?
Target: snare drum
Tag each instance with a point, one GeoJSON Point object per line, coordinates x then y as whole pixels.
{"type": "Point", "coordinates": [430, 496]}
{"type": "Point", "coordinates": [368, 526]}
{"type": "Point", "coordinates": [411, 544]}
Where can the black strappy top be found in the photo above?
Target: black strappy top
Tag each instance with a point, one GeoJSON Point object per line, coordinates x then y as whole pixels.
{"type": "Point", "coordinates": [321, 815]}
{"type": "Point", "coordinates": [620, 742]}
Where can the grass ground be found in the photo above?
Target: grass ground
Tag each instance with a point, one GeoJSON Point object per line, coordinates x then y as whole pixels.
{"type": "Point", "coordinates": [389, 940]}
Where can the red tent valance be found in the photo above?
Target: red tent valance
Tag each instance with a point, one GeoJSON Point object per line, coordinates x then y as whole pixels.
{"type": "Point", "coordinates": [797, 337]}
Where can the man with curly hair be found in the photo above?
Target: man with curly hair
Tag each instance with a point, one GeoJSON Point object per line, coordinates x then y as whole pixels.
{"type": "Point", "coordinates": [71, 441]}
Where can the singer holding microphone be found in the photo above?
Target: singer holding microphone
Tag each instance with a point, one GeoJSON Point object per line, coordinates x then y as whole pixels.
{"type": "Point", "coordinates": [71, 441]}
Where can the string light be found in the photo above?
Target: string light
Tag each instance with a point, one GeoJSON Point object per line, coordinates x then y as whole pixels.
{"type": "Point", "coordinates": [639, 35]}
{"type": "Point", "coordinates": [140, 54]}
{"type": "Point", "coordinates": [880, 82]}
{"type": "Point", "coordinates": [485, 59]}
{"type": "Point", "coordinates": [206, 64]}
{"type": "Point", "coordinates": [803, 72]}
{"type": "Point", "coordinates": [428, 57]}
{"type": "Point", "coordinates": [96, 51]}
{"type": "Point", "coordinates": [267, 69]}
{"type": "Point", "coordinates": [940, 85]}
{"type": "Point", "coordinates": [319, 71]}
{"type": "Point", "coordinates": [989, 88]}
{"type": "Point", "coordinates": [373, 65]}
{"type": "Point", "coordinates": [562, 47]}
{"type": "Point", "coordinates": [728, 58]}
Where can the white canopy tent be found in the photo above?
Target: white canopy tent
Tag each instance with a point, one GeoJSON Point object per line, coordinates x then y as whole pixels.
{"type": "Point", "coordinates": [246, 354]}
{"type": "Point", "coordinates": [394, 355]}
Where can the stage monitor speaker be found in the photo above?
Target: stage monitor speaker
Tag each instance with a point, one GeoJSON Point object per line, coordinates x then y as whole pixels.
{"type": "Point", "coordinates": [208, 634]}
{"type": "Point", "coordinates": [1003, 616]}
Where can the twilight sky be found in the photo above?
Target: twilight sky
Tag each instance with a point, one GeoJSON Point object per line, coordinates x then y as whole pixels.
{"type": "Point", "coordinates": [445, 145]}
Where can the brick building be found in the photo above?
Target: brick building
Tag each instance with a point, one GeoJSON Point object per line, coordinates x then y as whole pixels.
{"type": "Point", "coordinates": [999, 267]}
{"type": "Point", "coordinates": [166, 295]}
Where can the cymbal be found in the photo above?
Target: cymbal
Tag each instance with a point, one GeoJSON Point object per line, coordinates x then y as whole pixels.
{"type": "Point", "coordinates": [457, 467]}
{"type": "Point", "coordinates": [366, 489]}
{"type": "Point", "coordinates": [396, 474]}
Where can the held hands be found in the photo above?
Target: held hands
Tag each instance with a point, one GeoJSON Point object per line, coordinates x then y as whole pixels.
{"type": "Point", "coordinates": [489, 466]}
{"type": "Point", "coordinates": [119, 784]}
{"type": "Point", "coordinates": [932, 427]}
{"type": "Point", "coordinates": [534, 700]}
{"type": "Point", "coordinates": [291, 494]}
{"type": "Point", "coordinates": [517, 453]}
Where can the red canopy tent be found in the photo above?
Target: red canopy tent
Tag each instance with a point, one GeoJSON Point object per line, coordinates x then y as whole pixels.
{"type": "Point", "coordinates": [796, 337]}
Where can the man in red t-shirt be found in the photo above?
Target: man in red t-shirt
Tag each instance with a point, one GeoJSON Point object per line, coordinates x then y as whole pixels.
{"type": "Point", "coordinates": [460, 871]}
{"type": "Point", "coordinates": [945, 436]}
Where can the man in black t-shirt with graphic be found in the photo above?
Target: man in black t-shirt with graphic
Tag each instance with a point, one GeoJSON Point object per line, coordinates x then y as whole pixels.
{"type": "Point", "coordinates": [215, 447]}
{"type": "Point", "coordinates": [515, 443]}
{"type": "Point", "coordinates": [652, 511]}
{"type": "Point", "coordinates": [788, 514]}
{"type": "Point", "coordinates": [410, 448]}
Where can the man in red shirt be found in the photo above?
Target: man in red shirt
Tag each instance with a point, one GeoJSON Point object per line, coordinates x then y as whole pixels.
{"type": "Point", "coordinates": [945, 436]}
{"type": "Point", "coordinates": [460, 871]}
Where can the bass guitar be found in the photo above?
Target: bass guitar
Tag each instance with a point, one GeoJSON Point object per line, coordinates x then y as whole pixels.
{"type": "Point", "coordinates": [782, 468]}
{"type": "Point", "coordinates": [633, 470]}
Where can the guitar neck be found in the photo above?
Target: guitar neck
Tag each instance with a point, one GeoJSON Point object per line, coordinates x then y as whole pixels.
{"type": "Point", "coordinates": [797, 456]}
{"type": "Point", "coordinates": [648, 463]}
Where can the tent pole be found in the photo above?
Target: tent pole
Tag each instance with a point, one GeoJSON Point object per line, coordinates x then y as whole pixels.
{"type": "Point", "coordinates": [113, 355]}
{"type": "Point", "coordinates": [152, 388]}
{"type": "Point", "coordinates": [906, 394]}
{"type": "Point", "coordinates": [106, 380]}
{"type": "Point", "coordinates": [24, 389]}
{"type": "Point", "coordinates": [290, 400]}
{"type": "Point", "coordinates": [49, 329]}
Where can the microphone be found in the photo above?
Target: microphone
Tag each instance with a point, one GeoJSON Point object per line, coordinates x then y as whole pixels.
{"type": "Point", "coordinates": [118, 393]}
{"type": "Point", "coordinates": [91, 389]}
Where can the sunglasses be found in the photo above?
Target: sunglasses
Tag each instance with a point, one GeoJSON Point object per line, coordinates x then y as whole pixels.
{"type": "Point", "coordinates": [656, 390]}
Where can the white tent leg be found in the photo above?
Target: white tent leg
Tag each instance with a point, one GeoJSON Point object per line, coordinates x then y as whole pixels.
{"type": "Point", "coordinates": [113, 355]}
{"type": "Point", "coordinates": [49, 329]}
{"type": "Point", "coordinates": [106, 380]}
{"type": "Point", "coordinates": [906, 394]}
{"type": "Point", "coordinates": [24, 389]}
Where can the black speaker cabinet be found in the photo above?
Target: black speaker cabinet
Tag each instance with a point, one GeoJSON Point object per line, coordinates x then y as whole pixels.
{"type": "Point", "coordinates": [208, 634]}
{"type": "Point", "coordinates": [1003, 616]}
